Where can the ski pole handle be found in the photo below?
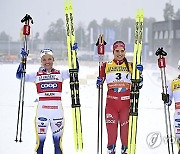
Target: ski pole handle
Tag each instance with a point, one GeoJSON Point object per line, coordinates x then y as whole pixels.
{"type": "Point", "coordinates": [26, 28]}
{"type": "Point", "coordinates": [161, 60]}
{"type": "Point", "coordinates": [100, 45]}
{"type": "Point", "coordinates": [101, 49]}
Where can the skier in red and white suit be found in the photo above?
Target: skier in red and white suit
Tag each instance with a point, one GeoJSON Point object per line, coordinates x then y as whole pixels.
{"type": "Point", "coordinates": [49, 110]}
{"type": "Point", "coordinates": [117, 74]}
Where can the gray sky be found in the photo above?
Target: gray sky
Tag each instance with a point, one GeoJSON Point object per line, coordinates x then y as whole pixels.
{"type": "Point", "coordinates": [46, 11]}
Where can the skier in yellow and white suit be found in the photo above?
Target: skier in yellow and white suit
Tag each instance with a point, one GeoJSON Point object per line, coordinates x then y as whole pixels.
{"type": "Point", "coordinates": [174, 93]}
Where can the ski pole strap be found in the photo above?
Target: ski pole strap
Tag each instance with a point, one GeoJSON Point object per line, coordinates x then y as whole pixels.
{"type": "Point", "coordinates": [75, 70]}
{"type": "Point", "coordinates": [100, 44]}
{"type": "Point", "coordinates": [75, 105]}
{"type": "Point", "coordinates": [161, 52]}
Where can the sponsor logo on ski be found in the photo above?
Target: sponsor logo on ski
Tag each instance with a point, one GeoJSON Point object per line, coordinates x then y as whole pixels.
{"type": "Point", "coordinates": [49, 85]}
{"type": "Point", "coordinates": [71, 20]}
{"type": "Point", "coordinates": [67, 25]}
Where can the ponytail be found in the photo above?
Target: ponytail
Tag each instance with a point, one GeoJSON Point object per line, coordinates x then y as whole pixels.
{"type": "Point", "coordinates": [126, 63]}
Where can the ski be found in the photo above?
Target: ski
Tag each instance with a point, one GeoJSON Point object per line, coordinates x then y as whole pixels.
{"type": "Point", "coordinates": [165, 97]}
{"type": "Point", "coordinates": [73, 73]}
{"type": "Point", "coordinates": [100, 49]}
{"type": "Point", "coordinates": [134, 94]}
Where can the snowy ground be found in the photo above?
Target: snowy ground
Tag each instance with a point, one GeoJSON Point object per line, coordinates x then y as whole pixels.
{"type": "Point", "coordinates": [150, 120]}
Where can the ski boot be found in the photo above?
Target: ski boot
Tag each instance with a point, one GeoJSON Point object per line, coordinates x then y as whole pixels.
{"type": "Point", "coordinates": [111, 149]}
{"type": "Point", "coordinates": [124, 149]}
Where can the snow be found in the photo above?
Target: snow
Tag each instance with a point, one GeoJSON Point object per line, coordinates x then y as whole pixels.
{"type": "Point", "coordinates": [150, 119]}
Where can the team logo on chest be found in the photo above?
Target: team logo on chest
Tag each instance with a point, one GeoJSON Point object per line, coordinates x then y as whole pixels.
{"type": "Point", "coordinates": [47, 85]}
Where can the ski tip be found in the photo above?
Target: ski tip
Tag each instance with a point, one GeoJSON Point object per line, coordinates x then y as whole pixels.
{"type": "Point", "coordinates": [140, 13]}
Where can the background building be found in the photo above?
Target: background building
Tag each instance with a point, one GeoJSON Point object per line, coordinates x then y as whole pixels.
{"type": "Point", "coordinates": [166, 34]}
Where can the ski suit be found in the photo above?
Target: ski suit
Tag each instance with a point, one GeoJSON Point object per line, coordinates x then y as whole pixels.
{"type": "Point", "coordinates": [174, 92]}
{"type": "Point", "coordinates": [118, 80]}
{"type": "Point", "coordinates": [49, 109]}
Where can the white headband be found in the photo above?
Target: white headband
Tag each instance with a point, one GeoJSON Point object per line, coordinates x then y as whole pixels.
{"type": "Point", "coordinates": [46, 51]}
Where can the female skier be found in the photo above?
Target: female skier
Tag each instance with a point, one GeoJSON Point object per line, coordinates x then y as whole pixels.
{"type": "Point", "coordinates": [117, 74]}
{"type": "Point", "coordinates": [49, 110]}
{"type": "Point", "coordinates": [174, 92]}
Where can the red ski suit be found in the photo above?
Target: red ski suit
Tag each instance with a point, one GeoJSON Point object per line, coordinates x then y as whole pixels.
{"type": "Point", "coordinates": [118, 79]}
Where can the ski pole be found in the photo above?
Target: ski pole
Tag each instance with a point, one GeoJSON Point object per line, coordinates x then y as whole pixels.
{"type": "Point", "coordinates": [26, 32]}
{"type": "Point", "coordinates": [100, 49]}
{"type": "Point", "coordinates": [165, 97]}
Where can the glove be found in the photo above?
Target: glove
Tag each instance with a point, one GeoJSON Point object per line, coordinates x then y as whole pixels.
{"type": "Point", "coordinates": [99, 81]}
{"type": "Point", "coordinates": [169, 103]}
{"type": "Point", "coordinates": [165, 98]}
{"type": "Point", "coordinates": [23, 53]}
{"type": "Point", "coordinates": [19, 71]}
{"type": "Point", "coordinates": [139, 67]}
{"type": "Point", "coordinates": [75, 46]}
{"type": "Point", "coordinates": [21, 65]}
